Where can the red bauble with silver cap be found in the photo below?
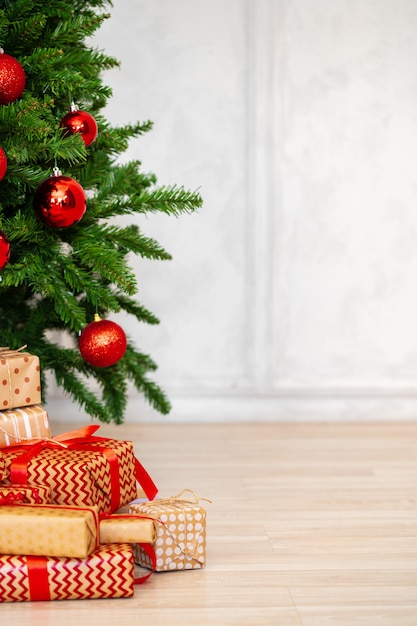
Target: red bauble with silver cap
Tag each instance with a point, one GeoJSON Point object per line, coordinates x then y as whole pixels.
{"type": "Point", "coordinates": [12, 78]}
{"type": "Point", "coordinates": [102, 343]}
{"type": "Point", "coordinates": [60, 201]}
{"type": "Point", "coordinates": [82, 122]}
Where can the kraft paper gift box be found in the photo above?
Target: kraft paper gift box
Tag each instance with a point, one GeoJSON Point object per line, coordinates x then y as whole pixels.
{"type": "Point", "coordinates": [23, 423]}
{"type": "Point", "coordinates": [106, 573]}
{"type": "Point", "coordinates": [81, 469]}
{"type": "Point", "coordinates": [19, 379]}
{"type": "Point", "coordinates": [48, 530]}
{"type": "Point", "coordinates": [127, 529]}
{"type": "Point", "coordinates": [26, 494]}
{"type": "Point", "coordinates": [180, 533]}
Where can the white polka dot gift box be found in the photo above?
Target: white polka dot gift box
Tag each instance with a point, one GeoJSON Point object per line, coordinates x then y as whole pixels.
{"type": "Point", "coordinates": [180, 525]}
{"type": "Point", "coordinates": [19, 379]}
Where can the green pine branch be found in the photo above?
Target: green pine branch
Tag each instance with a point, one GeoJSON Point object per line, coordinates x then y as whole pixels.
{"type": "Point", "coordinates": [57, 279]}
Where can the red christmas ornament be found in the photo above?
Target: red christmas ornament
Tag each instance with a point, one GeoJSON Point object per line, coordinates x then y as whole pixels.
{"type": "Point", "coordinates": [102, 342]}
{"type": "Point", "coordinates": [12, 78]}
{"type": "Point", "coordinates": [60, 201]}
{"type": "Point", "coordinates": [3, 164]}
{"type": "Point", "coordinates": [77, 121]}
{"type": "Point", "coordinates": [4, 249]}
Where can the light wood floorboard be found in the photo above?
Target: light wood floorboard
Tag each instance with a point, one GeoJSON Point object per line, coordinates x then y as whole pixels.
{"type": "Point", "coordinates": [309, 525]}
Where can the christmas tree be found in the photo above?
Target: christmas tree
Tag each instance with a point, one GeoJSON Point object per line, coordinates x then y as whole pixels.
{"type": "Point", "coordinates": [64, 255]}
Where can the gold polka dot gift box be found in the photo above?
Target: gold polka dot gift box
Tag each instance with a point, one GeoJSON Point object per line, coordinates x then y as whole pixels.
{"type": "Point", "coordinates": [48, 530]}
{"type": "Point", "coordinates": [180, 525]}
{"type": "Point", "coordinates": [19, 379]}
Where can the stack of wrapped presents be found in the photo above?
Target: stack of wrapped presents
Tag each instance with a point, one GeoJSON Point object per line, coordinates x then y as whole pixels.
{"type": "Point", "coordinates": [71, 523]}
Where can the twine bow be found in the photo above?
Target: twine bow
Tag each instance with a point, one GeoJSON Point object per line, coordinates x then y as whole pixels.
{"type": "Point", "coordinates": [5, 351]}
{"type": "Point", "coordinates": [178, 502]}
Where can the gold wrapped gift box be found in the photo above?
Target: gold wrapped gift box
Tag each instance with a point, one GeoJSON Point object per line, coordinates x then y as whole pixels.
{"type": "Point", "coordinates": [48, 530]}
{"type": "Point", "coordinates": [127, 529]}
{"type": "Point", "coordinates": [19, 379]}
{"type": "Point", "coordinates": [55, 530]}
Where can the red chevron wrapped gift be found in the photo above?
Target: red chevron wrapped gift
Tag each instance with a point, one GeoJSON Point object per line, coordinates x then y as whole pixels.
{"type": "Point", "coordinates": [21, 424]}
{"type": "Point", "coordinates": [3, 472]}
{"type": "Point", "coordinates": [25, 494]}
{"type": "Point", "coordinates": [19, 379]}
{"type": "Point", "coordinates": [106, 573]}
{"type": "Point", "coordinates": [81, 469]}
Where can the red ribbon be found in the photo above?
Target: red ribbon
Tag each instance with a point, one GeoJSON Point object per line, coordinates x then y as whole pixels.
{"type": "Point", "coordinates": [81, 440]}
{"type": "Point", "coordinates": [148, 548]}
{"type": "Point", "coordinates": [38, 578]}
{"type": "Point", "coordinates": [145, 481]}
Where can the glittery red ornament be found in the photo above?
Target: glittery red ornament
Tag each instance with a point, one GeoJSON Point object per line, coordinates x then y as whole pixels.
{"type": "Point", "coordinates": [60, 201]}
{"type": "Point", "coordinates": [4, 249]}
{"type": "Point", "coordinates": [3, 164]}
{"type": "Point", "coordinates": [12, 78]}
{"type": "Point", "coordinates": [102, 342]}
{"type": "Point", "coordinates": [81, 122]}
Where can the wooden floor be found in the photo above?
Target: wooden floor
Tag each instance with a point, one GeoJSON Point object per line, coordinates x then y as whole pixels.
{"type": "Point", "coordinates": [310, 525]}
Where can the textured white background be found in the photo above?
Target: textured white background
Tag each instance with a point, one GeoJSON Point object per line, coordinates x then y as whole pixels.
{"type": "Point", "coordinates": [292, 293]}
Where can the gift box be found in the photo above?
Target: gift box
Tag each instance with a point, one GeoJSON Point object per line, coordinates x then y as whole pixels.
{"type": "Point", "coordinates": [48, 530]}
{"type": "Point", "coordinates": [180, 541]}
{"type": "Point", "coordinates": [21, 424]}
{"type": "Point", "coordinates": [81, 469]}
{"type": "Point", "coordinates": [19, 379]}
{"type": "Point", "coordinates": [27, 494]}
{"type": "Point", "coordinates": [3, 472]}
{"type": "Point", "coordinates": [127, 529]}
{"type": "Point", "coordinates": [106, 573]}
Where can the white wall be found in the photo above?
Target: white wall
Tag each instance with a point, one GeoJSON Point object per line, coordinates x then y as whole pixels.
{"type": "Point", "coordinates": [292, 294]}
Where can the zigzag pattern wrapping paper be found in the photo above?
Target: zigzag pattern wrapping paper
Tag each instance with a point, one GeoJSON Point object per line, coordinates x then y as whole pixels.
{"type": "Point", "coordinates": [81, 477]}
{"type": "Point", "coordinates": [27, 494]}
{"type": "Point", "coordinates": [106, 573]}
{"type": "Point", "coordinates": [3, 471]}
